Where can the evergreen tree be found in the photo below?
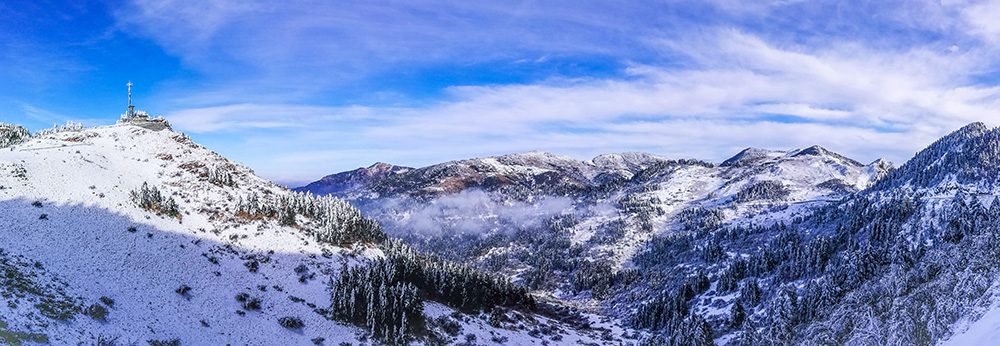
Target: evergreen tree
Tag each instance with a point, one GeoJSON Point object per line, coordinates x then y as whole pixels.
{"type": "Point", "coordinates": [750, 293]}
{"type": "Point", "coordinates": [783, 315]}
{"type": "Point", "coordinates": [749, 336]}
{"type": "Point", "coordinates": [737, 315]}
{"type": "Point", "coordinates": [699, 331]}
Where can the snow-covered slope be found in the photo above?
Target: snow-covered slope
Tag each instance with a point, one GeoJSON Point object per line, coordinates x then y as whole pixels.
{"type": "Point", "coordinates": [75, 243]}
{"type": "Point", "coordinates": [984, 331]}
{"type": "Point", "coordinates": [811, 174]}
{"type": "Point", "coordinates": [956, 177]}
{"type": "Point", "coordinates": [910, 260]}
{"type": "Point", "coordinates": [94, 238]}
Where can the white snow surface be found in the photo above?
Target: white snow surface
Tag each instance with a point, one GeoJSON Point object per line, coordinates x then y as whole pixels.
{"type": "Point", "coordinates": [980, 325]}
{"type": "Point", "coordinates": [83, 179]}
{"type": "Point", "coordinates": [85, 242]}
{"type": "Point", "coordinates": [985, 331]}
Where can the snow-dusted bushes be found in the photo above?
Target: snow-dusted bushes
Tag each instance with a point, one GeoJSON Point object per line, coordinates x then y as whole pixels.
{"type": "Point", "coordinates": [222, 176]}
{"type": "Point", "coordinates": [174, 342]}
{"type": "Point", "coordinates": [69, 127]}
{"type": "Point", "coordinates": [96, 311]}
{"type": "Point", "coordinates": [25, 281]}
{"type": "Point", "coordinates": [150, 198]}
{"type": "Point", "coordinates": [248, 303]}
{"type": "Point", "coordinates": [291, 322]}
{"type": "Point", "coordinates": [106, 341]}
{"type": "Point", "coordinates": [61, 309]}
{"type": "Point", "coordinates": [12, 134]}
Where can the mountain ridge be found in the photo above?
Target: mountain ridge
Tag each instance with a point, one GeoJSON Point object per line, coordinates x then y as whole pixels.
{"type": "Point", "coordinates": [527, 169]}
{"type": "Point", "coordinates": [552, 172]}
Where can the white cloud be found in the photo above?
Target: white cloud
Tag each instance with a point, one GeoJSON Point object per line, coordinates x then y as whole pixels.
{"type": "Point", "coordinates": [862, 103]}
{"type": "Point", "coordinates": [982, 18]}
{"type": "Point", "coordinates": [248, 115]}
{"type": "Point", "coordinates": [711, 90]}
{"type": "Point", "coordinates": [315, 44]}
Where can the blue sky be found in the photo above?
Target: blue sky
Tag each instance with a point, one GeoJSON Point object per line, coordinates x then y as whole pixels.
{"type": "Point", "coordinates": [300, 89]}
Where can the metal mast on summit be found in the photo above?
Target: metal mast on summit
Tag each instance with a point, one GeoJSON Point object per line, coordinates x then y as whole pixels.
{"type": "Point", "coordinates": [130, 106]}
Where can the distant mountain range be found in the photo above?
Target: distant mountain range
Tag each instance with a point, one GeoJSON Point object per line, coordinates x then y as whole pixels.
{"type": "Point", "coordinates": [767, 248]}
{"type": "Point", "coordinates": [551, 173]}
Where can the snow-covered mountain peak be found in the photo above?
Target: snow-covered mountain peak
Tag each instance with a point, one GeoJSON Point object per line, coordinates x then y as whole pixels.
{"type": "Point", "coordinates": [883, 164]}
{"type": "Point", "coordinates": [534, 155]}
{"type": "Point", "coordinates": [345, 182]}
{"type": "Point", "coordinates": [380, 170]}
{"type": "Point", "coordinates": [971, 130]}
{"type": "Point", "coordinates": [533, 159]}
{"type": "Point", "coordinates": [758, 156]}
{"type": "Point", "coordinates": [750, 156]}
{"type": "Point", "coordinates": [66, 162]}
{"type": "Point", "coordinates": [877, 170]}
{"type": "Point", "coordinates": [381, 166]}
{"type": "Point", "coordinates": [968, 157]}
{"type": "Point", "coordinates": [818, 151]}
{"type": "Point", "coordinates": [631, 161]}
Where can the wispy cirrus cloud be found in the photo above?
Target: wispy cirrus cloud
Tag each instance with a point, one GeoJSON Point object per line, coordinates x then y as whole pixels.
{"type": "Point", "coordinates": [681, 78]}
{"type": "Point", "coordinates": [981, 20]}
{"type": "Point", "coordinates": [309, 44]}
{"type": "Point", "coordinates": [740, 91]}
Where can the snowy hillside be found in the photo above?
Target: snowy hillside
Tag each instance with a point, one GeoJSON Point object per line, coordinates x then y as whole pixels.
{"type": "Point", "coordinates": [125, 233]}
{"type": "Point", "coordinates": [956, 177]}
{"type": "Point", "coordinates": [909, 261]}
